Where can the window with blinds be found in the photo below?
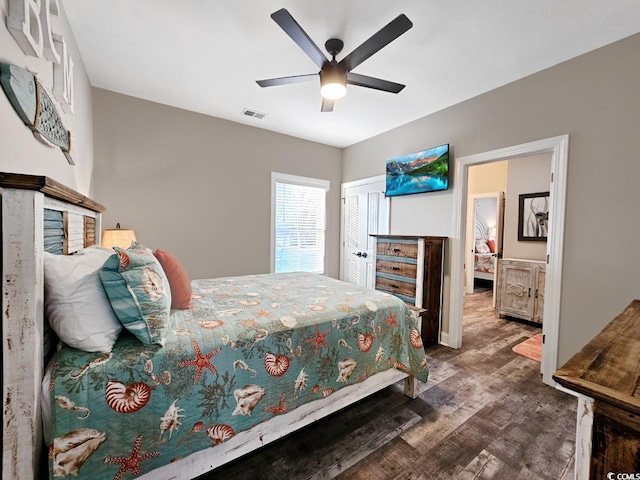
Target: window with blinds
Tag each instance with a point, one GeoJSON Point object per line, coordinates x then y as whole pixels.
{"type": "Point", "coordinates": [299, 224]}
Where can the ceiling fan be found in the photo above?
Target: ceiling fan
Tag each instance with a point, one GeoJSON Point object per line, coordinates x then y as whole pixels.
{"type": "Point", "coordinates": [334, 75]}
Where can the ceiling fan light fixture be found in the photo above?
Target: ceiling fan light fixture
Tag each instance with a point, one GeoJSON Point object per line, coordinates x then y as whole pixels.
{"type": "Point", "coordinates": [333, 74]}
{"type": "Point", "coordinates": [333, 83]}
{"type": "Point", "coordinates": [333, 91]}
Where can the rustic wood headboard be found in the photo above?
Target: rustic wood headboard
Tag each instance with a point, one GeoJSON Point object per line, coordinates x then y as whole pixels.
{"type": "Point", "coordinates": [38, 214]}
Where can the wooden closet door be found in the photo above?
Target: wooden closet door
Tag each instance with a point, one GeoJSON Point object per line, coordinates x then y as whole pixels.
{"type": "Point", "coordinates": [365, 213]}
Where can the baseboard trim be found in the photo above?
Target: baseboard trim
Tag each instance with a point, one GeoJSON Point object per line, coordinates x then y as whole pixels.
{"type": "Point", "coordinates": [444, 339]}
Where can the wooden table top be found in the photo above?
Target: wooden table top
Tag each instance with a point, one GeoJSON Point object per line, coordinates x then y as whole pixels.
{"type": "Point", "coordinates": [608, 367]}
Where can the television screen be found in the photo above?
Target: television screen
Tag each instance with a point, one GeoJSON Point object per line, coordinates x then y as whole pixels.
{"type": "Point", "coordinates": [425, 171]}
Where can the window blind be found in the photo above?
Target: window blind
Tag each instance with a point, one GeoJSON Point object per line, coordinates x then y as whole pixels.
{"type": "Point", "coordinates": [300, 220]}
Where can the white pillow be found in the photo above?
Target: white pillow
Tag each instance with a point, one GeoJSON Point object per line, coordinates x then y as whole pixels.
{"type": "Point", "coordinates": [482, 247]}
{"type": "Point", "coordinates": [76, 304]}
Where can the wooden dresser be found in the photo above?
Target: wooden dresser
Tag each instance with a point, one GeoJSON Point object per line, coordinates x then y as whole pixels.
{"type": "Point", "coordinates": [520, 291]}
{"type": "Point", "coordinates": [606, 375]}
{"type": "Point", "coordinates": [410, 267]}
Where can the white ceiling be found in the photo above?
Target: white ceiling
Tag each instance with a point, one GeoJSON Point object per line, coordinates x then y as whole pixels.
{"type": "Point", "coordinates": [205, 55]}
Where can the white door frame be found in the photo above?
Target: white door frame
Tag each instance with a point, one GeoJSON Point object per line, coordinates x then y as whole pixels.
{"type": "Point", "coordinates": [559, 149]}
{"type": "Point", "coordinates": [384, 222]}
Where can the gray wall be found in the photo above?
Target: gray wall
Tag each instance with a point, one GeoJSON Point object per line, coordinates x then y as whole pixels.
{"type": "Point", "coordinates": [524, 175]}
{"type": "Point", "coordinates": [595, 99]}
{"type": "Point", "coordinates": [21, 152]}
{"type": "Point", "coordinates": [200, 187]}
{"type": "Point", "coordinates": [486, 212]}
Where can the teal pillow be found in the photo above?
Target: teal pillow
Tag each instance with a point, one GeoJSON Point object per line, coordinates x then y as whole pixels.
{"type": "Point", "coordinates": [139, 293]}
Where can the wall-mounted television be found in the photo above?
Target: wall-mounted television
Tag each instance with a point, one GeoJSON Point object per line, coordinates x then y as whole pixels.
{"type": "Point", "coordinates": [424, 171]}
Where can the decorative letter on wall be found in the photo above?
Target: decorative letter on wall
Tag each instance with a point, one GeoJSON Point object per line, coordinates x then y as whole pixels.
{"type": "Point", "coordinates": [63, 77]}
{"type": "Point", "coordinates": [50, 11]}
{"type": "Point", "coordinates": [34, 26]}
{"type": "Point", "coordinates": [25, 26]}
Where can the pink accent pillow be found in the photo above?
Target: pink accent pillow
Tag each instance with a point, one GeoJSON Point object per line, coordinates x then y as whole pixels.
{"type": "Point", "coordinates": [179, 281]}
{"type": "Point", "coordinates": [491, 243]}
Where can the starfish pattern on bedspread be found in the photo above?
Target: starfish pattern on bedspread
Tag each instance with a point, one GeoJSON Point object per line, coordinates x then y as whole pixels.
{"type": "Point", "coordinates": [132, 462]}
{"type": "Point", "coordinates": [391, 321]}
{"type": "Point", "coordinates": [319, 340]}
{"type": "Point", "coordinates": [280, 408]}
{"type": "Point", "coordinates": [201, 361]}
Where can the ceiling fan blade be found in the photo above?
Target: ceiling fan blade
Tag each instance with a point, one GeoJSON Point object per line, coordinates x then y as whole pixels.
{"type": "Point", "coordinates": [283, 18]}
{"type": "Point", "coordinates": [380, 39]}
{"type": "Point", "coordinates": [327, 105]}
{"type": "Point", "coordinates": [272, 82]}
{"type": "Point", "coordinates": [372, 82]}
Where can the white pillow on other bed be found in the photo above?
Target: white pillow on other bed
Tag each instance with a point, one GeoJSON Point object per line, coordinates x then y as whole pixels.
{"type": "Point", "coordinates": [76, 304]}
{"type": "Point", "coordinates": [482, 247]}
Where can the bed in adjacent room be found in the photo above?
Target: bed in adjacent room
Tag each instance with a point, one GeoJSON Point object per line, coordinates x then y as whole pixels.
{"type": "Point", "coordinates": [484, 260]}
{"type": "Point", "coordinates": [183, 390]}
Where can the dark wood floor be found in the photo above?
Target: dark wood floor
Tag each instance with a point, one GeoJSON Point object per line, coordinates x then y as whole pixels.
{"type": "Point", "coordinates": [484, 414]}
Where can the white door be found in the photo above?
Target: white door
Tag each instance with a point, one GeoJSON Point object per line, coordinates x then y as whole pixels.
{"type": "Point", "coordinates": [364, 212]}
{"type": "Point", "coordinates": [499, 239]}
{"type": "Point", "coordinates": [494, 230]}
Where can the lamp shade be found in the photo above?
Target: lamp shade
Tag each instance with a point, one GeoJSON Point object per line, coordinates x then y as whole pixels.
{"type": "Point", "coordinates": [118, 237]}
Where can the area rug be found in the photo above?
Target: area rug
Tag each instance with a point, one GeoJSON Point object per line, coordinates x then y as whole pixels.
{"type": "Point", "coordinates": [530, 348]}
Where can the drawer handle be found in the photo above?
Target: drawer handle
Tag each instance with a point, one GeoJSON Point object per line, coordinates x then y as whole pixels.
{"type": "Point", "coordinates": [396, 249]}
{"type": "Point", "coordinates": [395, 268]}
{"type": "Point", "coordinates": [394, 286]}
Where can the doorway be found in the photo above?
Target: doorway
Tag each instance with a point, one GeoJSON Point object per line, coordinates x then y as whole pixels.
{"type": "Point", "coordinates": [365, 211]}
{"type": "Point", "coordinates": [485, 217]}
{"type": "Point", "coordinates": [558, 147]}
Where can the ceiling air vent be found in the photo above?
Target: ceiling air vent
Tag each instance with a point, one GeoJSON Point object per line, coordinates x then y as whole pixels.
{"type": "Point", "coordinates": [253, 113]}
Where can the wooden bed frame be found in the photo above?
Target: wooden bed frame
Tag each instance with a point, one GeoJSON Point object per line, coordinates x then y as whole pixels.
{"type": "Point", "coordinates": [26, 340]}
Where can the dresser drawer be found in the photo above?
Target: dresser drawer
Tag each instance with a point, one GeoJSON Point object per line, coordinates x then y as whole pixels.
{"type": "Point", "coordinates": [410, 267]}
{"type": "Point", "coordinates": [397, 268]}
{"type": "Point", "coordinates": [406, 250]}
{"type": "Point", "coordinates": [398, 287]}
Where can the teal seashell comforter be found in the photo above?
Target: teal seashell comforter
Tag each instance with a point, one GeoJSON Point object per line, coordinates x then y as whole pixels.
{"type": "Point", "coordinates": [250, 348]}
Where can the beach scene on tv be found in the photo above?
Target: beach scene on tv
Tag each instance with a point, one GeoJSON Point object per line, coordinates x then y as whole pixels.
{"type": "Point", "coordinates": [424, 171]}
